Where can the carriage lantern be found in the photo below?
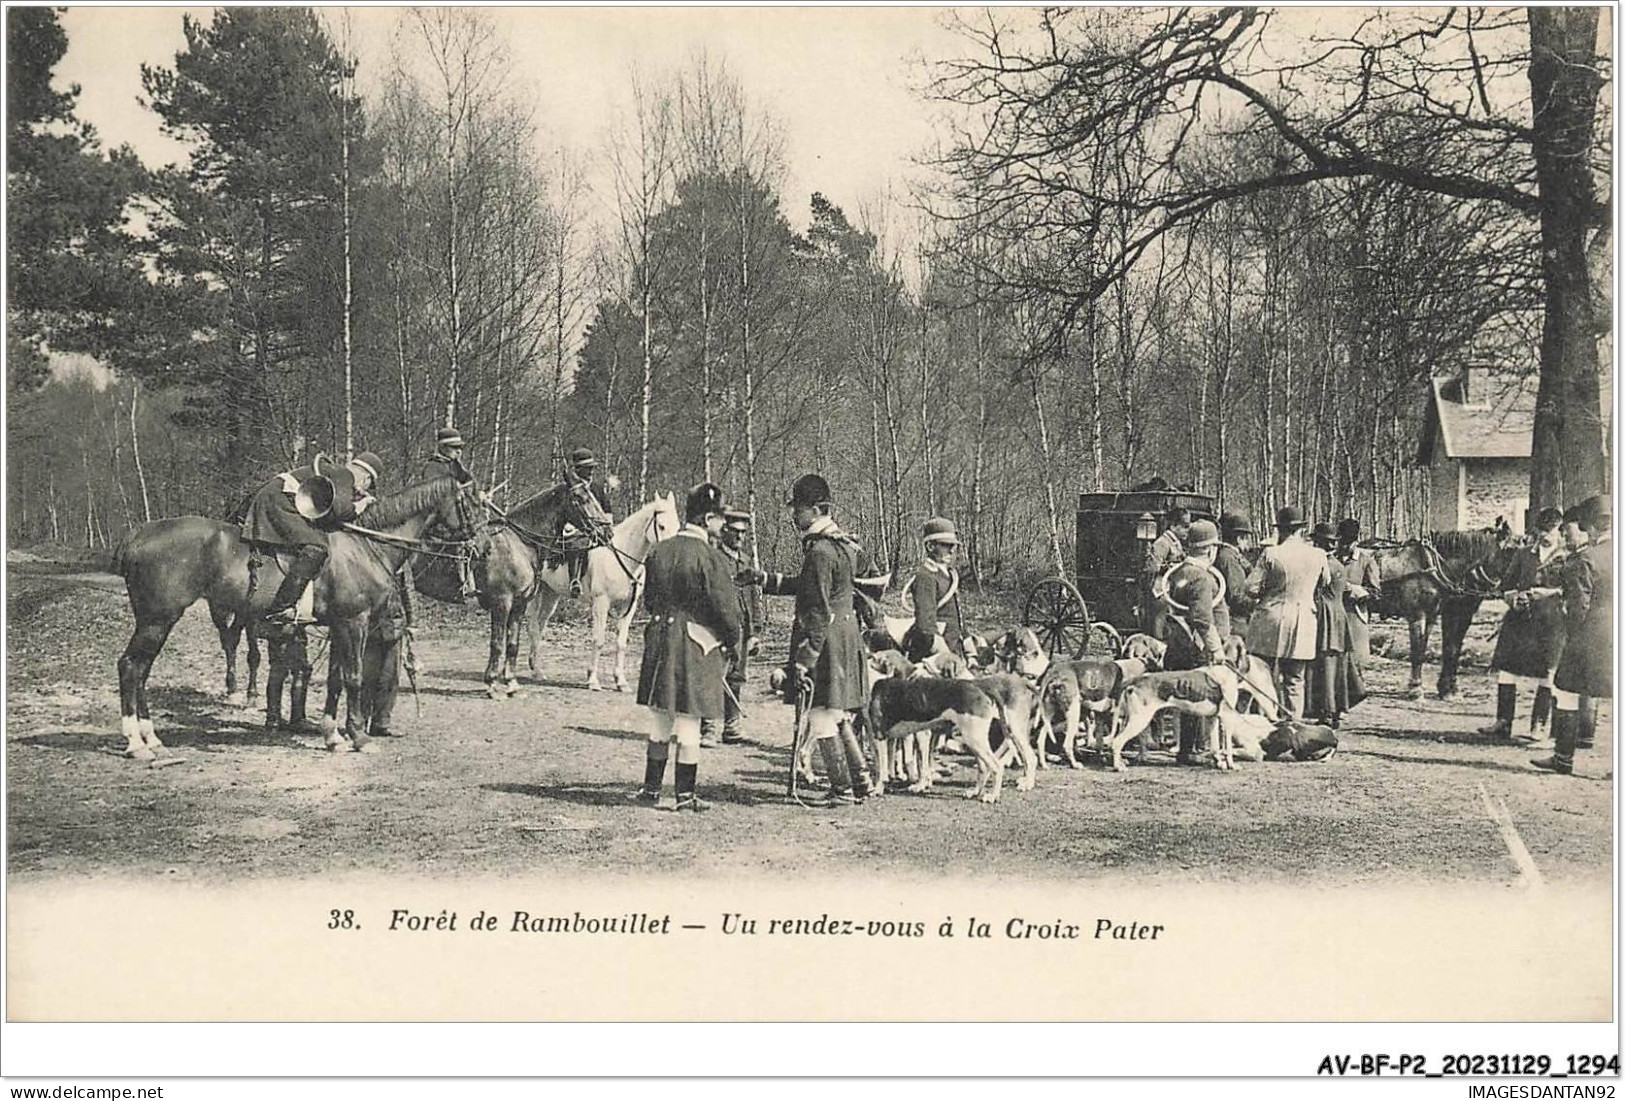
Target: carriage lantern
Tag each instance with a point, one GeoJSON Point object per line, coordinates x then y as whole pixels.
{"type": "Point", "coordinates": [1145, 528]}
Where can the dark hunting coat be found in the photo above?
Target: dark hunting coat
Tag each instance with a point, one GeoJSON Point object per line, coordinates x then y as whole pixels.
{"type": "Point", "coordinates": [826, 640]}
{"type": "Point", "coordinates": [273, 520]}
{"type": "Point", "coordinates": [1587, 665]}
{"type": "Point", "coordinates": [935, 596]}
{"type": "Point", "coordinates": [1531, 638]}
{"type": "Point", "coordinates": [693, 623]}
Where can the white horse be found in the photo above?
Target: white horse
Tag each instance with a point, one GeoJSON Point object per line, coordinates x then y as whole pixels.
{"type": "Point", "coordinates": [613, 578]}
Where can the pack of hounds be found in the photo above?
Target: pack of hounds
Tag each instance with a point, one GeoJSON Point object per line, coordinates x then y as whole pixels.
{"type": "Point", "coordinates": [1007, 700]}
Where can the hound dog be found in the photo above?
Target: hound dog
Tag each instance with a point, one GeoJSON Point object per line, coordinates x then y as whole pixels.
{"type": "Point", "coordinates": [911, 707]}
{"type": "Point", "coordinates": [1210, 693]}
{"type": "Point", "coordinates": [1257, 738]}
{"type": "Point", "coordinates": [1072, 688]}
{"type": "Point", "coordinates": [1018, 651]}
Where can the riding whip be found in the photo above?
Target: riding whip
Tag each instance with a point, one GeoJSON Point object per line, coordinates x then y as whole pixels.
{"type": "Point", "coordinates": [803, 727]}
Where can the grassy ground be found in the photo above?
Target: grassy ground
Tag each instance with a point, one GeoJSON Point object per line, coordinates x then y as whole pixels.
{"type": "Point", "coordinates": [539, 783]}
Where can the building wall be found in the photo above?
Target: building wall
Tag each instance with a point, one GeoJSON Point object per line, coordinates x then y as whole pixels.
{"type": "Point", "coordinates": [1443, 489]}
{"type": "Point", "coordinates": [1496, 487]}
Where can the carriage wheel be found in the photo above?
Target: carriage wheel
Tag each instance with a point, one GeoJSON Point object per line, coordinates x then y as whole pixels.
{"type": "Point", "coordinates": [1055, 610]}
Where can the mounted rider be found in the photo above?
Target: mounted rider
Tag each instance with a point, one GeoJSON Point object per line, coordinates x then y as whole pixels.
{"type": "Point", "coordinates": [585, 518]}
{"type": "Point", "coordinates": [447, 462]}
{"type": "Point", "coordinates": [293, 513]}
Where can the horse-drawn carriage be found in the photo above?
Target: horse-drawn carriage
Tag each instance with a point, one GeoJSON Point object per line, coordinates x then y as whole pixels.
{"type": "Point", "coordinates": [1114, 533]}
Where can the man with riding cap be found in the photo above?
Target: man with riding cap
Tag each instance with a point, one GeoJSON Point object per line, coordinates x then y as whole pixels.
{"type": "Point", "coordinates": [582, 507]}
{"type": "Point", "coordinates": [294, 511]}
{"type": "Point", "coordinates": [1530, 639]}
{"type": "Point", "coordinates": [1585, 672]}
{"type": "Point", "coordinates": [1166, 552]}
{"type": "Point", "coordinates": [731, 542]}
{"type": "Point", "coordinates": [1235, 544]}
{"type": "Point", "coordinates": [1281, 631]}
{"type": "Point", "coordinates": [447, 460]}
{"type": "Point", "coordinates": [1196, 621]}
{"type": "Point", "coordinates": [693, 625]}
{"type": "Point", "coordinates": [826, 648]}
{"type": "Point", "coordinates": [935, 594]}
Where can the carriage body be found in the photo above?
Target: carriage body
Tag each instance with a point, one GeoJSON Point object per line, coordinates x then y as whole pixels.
{"type": "Point", "coordinates": [1114, 533]}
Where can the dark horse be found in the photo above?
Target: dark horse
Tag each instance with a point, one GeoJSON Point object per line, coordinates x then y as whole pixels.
{"type": "Point", "coordinates": [1445, 576]}
{"type": "Point", "coordinates": [169, 565]}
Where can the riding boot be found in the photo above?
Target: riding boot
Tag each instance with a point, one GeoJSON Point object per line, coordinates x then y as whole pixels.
{"type": "Point", "coordinates": [1506, 709]}
{"type": "Point", "coordinates": [840, 780]}
{"type": "Point", "coordinates": [857, 768]}
{"type": "Point", "coordinates": [1563, 733]}
{"type": "Point", "coordinates": [301, 572]}
{"type": "Point", "coordinates": [654, 773]}
{"type": "Point", "coordinates": [1540, 716]}
{"type": "Point", "coordinates": [273, 699]}
{"type": "Point", "coordinates": [710, 730]}
{"type": "Point", "coordinates": [1585, 729]}
{"type": "Point", "coordinates": [686, 799]}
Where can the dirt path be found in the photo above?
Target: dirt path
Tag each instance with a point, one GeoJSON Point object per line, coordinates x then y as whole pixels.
{"type": "Point", "coordinates": [539, 784]}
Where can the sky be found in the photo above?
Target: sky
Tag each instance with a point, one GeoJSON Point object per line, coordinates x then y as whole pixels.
{"type": "Point", "coordinates": [837, 79]}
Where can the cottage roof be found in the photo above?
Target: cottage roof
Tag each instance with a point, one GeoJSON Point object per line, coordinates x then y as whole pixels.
{"type": "Point", "coordinates": [1498, 424]}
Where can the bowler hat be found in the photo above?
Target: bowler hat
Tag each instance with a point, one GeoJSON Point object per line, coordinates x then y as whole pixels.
{"type": "Point", "coordinates": [809, 489]}
{"type": "Point", "coordinates": [1288, 518]}
{"type": "Point", "coordinates": [1548, 517]}
{"type": "Point", "coordinates": [703, 500]}
{"type": "Point", "coordinates": [1203, 534]}
{"type": "Point", "coordinates": [1323, 533]}
{"type": "Point", "coordinates": [1234, 523]}
{"type": "Point", "coordinates": [1348, 529]}
{"type": "Point", "coordinates": [735, 518]}
{"type": "Point", "coordinates": [940, 529]}
{"type": "Point", "coordinates": [448, 437]}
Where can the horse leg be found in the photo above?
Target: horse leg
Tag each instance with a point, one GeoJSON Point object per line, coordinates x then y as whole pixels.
{"type": "Point", "coordinates": [541, 611]}
{"type": "Point", "coordinates": [624, 628]}
{"type": "Point", "coordinates": [251, 638]}
{"type": "Point", "coordinates": [501, 609]}
{"type": "Point", "coordinates": [134, 667]}
{"type": "Point", "coordinates": [600, 623]}
{"type": "Point", "coordinates": [1421, 626]}
{"type": "Point", "coordinates": [1455, 617]}
{"type": "Point", "coordinates": [231, 632]}
{"type": "Point", "coordinates": [356, 716]}
{"type": "Point", "coordinates": [335, 685]}
{"type": "Point", "coordinates": [510, 651]}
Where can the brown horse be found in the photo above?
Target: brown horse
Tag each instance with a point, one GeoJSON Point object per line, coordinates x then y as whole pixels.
{"type": "Point", "coordinates": [1443, 576]}
{"type": "Point", "coordinates": [169, 565]}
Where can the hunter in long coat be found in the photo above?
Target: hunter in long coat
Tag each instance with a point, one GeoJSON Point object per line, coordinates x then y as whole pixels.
{"type": "Point", "coordinates": [1530, 639]}
{"type": "Point", "coordinates": [1329, 679]}
{"type": "Point", "coordinates": [693, 627]}
{"type": "Point", "coordinates": [735, 525]}
{"type": "Point", "coordinates": [1282, 628]}
{"type": "Point", "coordinates": [826, 646]}
{"type": "Point", "coordinates": [1585, 672]}
{"type": "Point", "coordinates": [1362, 591]}
{"type": "Point", "coordinates": [1235, 543]}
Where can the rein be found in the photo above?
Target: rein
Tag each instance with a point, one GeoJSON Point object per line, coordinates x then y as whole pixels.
{"type": "Point", "coordinates": [1433, 569]}
{"type": "Point", "coordinates": [419, 546]}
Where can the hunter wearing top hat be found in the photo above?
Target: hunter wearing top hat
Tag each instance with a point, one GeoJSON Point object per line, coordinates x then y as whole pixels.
{"type": "Point", "coordinates": [731, 543]}
{"type": "Point", "coordinates": [934, 595]}
{"type": "Point", "coordinates": [826, 648]}
{"type": "Point", "coordinates": [693, 627]}
{"type": "Point", "coordinates": [1281, 631]}
{"type": "Point", "coordinates": [295, 510]}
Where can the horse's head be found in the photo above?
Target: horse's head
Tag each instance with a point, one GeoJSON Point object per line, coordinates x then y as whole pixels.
{"type": "Point", "coordinates": [664, 521]}
{"type": "Point", "coordinates": [457, 511]}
